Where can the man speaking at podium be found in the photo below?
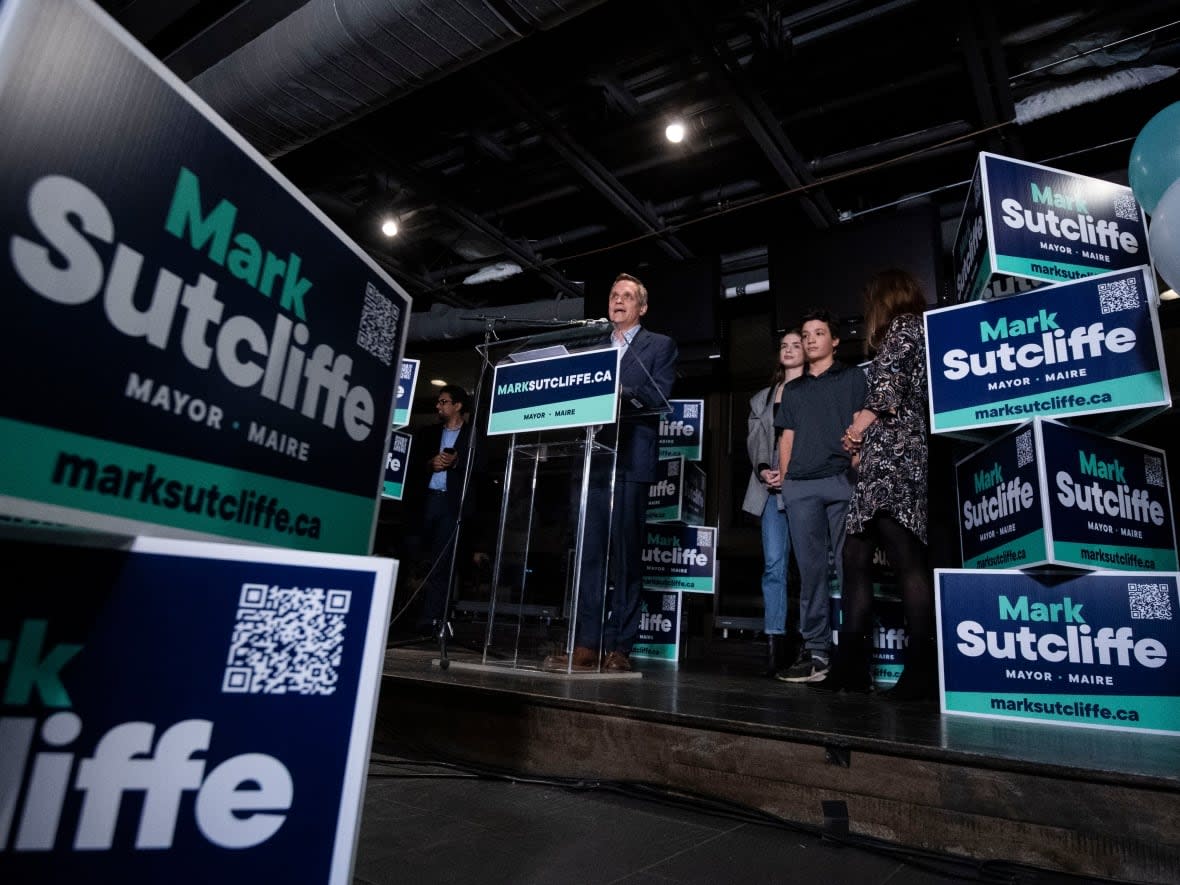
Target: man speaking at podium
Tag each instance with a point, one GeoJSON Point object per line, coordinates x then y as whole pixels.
{"type": "Point", "coordinates": [647, 369]}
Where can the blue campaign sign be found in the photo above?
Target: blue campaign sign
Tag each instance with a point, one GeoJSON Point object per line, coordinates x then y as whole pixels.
{"type": "Point", "coordinates": [570, 390]}
{"type": "Point", "coordinates": [659, 626]}
{"type": "Point", "coordinates": [407, 383]}
{"type": "Point", "coordinates": [680, 557]}
{"type": "Point", "coordinates": [665, 497]}
{"type": "Point", "coordinates": [1107, 499]}
{"type": "Point", "coordinates": [694, 482]}
{"type": "Point", "coordinates": [1001, 517]}
{"type": "Point", "coordinates": [1053, 225]}
{"type": "Point", "coordinates": [190, 347]}
{"type": "Point", "coordinates": [1098, 650]}
{"type": "Point", "coordinates": [1068, 349]}
{"type": "Point", "coordinates": [681, 431]}
{"type": "Point", "coordinates": [186, 712]}
{"type": "Point", "coordinates": [397, 462]}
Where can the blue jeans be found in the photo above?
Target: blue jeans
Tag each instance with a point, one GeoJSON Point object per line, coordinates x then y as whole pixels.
{"type": "Point", "coordinates": [776, 551]}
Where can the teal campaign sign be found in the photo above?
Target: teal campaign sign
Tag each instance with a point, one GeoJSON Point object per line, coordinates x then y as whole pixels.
{"type": "Point", "coordinates": [189, 346]}
{"type": "Point", "coordinates": [665, 497]}
{"type": "Point", "coordinates": [680, 557]}
{"type": "Point", "coordinates": [658, 638]}
{"type": "Point", "coordinates": [1079, 348]}
{"type": "Point", "coordinates": [397, 462]}
{"type": "Point", "coordinates": [407, 383]}
{"type": "Point", "coordinates": [569, 390]}
{"type": "Point", "coordinates": [186, 712]}
{"type": "Point", "coordinates": [1022, 220]}
{"type": "Point", "coordinates": [1095, 650]}
{"type": "Point", "coordinates": [681, 431]}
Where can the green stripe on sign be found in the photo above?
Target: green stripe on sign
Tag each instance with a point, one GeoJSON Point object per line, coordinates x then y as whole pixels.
{"type": "Point", "coordinates": [676, 582]}
{"type": "Point", "coordinates": [1106, 556]}
{"type": "Point", "coordinates": [1015, 554]}
{"type": "Point", "coordinates": [1144, 389]}
{"type": "Point", "coordinates": [575, 413]}
{"type": "Point", "coordinates": [1142, 713]}
{"type": "Point", "coordinates": [130, 482]}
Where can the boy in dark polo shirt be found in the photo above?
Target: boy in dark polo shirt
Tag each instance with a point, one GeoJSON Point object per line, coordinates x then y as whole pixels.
{"type": "Point", "coordinates": [816, 409]}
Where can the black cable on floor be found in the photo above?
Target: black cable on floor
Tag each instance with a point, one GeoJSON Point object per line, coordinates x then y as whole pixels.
{"type": "Point", "coordinates": [964, 868]}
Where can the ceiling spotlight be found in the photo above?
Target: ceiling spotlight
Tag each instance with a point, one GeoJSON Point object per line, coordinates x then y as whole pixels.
{"type": "Point", "coordinates": [389, 227]}
{"type": "Point", "coordinates": [1169, 295]}
{"type": "Point", "coordinates": [438, 382]}
{"type": "Point", "coordinates": [675, 132]}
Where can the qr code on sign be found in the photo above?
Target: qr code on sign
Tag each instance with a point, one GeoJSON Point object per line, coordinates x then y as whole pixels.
{"type": "Point", "coordinates": [1126, 208]}
{"type": "Point", "coordinates": [378, 329]}
{"type": "Point", "coordinates": [1118, 295]}
{"type": "Point", "coordinates": [668, 602]}
{"type": "Point", "coordinates": [1153, 470]}
{"type": "Point", "coordinates": [1150, 601]}
{"type": "Point", "coordinates": [400, 444]}
{"type": "Point", "coordinates": [692, 410]}
{"type": "Point", "coordinates": [704, 538]}
{"type": "Point", "coordinates": [1024, 449]}
{"type": "Point", "coordinates": [286, 640]}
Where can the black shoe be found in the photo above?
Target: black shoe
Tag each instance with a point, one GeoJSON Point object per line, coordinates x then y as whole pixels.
{"type": "Point", "coordinates": [776, 653]}
{"type": "Point", "coordinates": [850, 666]}
{"type": "Point", "coordinates": [919, 676]}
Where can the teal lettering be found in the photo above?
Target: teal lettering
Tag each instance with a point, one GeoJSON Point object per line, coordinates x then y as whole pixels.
{"type": "Point", "coordinates": [185, 215]}
{"type": "Point", "coordinates": [30, 669]}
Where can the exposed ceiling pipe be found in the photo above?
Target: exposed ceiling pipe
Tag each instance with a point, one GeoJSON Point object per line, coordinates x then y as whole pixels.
{"type": "Point", "coordinates": [444, 323]}
{"type": "Point", "coordinates": [333, 61]}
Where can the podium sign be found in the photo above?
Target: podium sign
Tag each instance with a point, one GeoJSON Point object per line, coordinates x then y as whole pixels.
{"type": "Point", "coordinates": [189, 346]}
{"type": "Point", "coordinates": [570, 390]}
{"type": "Point", "coordinates": [1078, 348]}
{"type": "Point", "coordinates": [407, 383]}
{"type": "Point", "coordinates": [1099, 650]}
{"type": "Point", "coordinates": [187, 712]}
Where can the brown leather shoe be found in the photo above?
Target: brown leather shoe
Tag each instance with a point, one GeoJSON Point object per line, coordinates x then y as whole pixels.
{"type": "Point", "coordinates": [617, 662]}
{"type": "Point", "coordinates": [585, 661]}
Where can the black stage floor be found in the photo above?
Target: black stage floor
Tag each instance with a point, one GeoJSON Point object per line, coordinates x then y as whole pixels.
{"type": "Point", "coordinates": [1007, 799]}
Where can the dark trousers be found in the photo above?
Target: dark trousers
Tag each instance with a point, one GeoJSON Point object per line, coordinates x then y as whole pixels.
{"type": "Point", "coordinates": [621, 623]}
{"type": "Point", "coordinates": [440, 516]}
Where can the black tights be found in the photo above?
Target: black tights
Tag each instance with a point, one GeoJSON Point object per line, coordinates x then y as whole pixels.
{"type": "Point", "coordinates": [907, 555]}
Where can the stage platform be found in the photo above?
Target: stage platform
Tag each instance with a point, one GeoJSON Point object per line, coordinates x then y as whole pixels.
{"type": "Point", "coordinates": [1073, 800]}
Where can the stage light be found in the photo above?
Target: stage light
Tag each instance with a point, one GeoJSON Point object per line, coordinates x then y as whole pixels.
{"type": "Point", "coordinates": [438, 382]}
{"type": "Point", "coordinates": [675, 132]}
{"type": "Point", "coordinates": [389, 227]}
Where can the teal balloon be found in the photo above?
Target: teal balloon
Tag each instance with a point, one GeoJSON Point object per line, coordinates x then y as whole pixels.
{"type": "Point", "coordinates": [1163, 236]}
{"type": "Point", "coordinates": [1155, 158]}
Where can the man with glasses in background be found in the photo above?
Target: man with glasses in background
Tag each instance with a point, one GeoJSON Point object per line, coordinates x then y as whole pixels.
{"type": "Point", "coordinates": [434, 492]}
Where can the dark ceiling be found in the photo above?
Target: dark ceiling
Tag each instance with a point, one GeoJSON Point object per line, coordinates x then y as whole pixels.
{"type": "Point", "coordinates": [530, 133]}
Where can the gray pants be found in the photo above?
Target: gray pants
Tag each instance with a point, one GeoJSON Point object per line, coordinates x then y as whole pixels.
{"type": "Point", "coordinates": [816, 511]}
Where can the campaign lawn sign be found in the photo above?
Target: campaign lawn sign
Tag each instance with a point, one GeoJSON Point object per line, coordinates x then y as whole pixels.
{"type": "Point", "coordinates": [1096, 650]}
{"type": "Point", "coordinates": [665, 497]}
{"type": "Point", "coordinates": [190, 347]}
{"type": "Point", "coordinates": [1051, 494]}
{"type": "Point", "coordinates": [681, 431]}
{"type": "Point", "coordinates": [1024, 225]}
{"type": "Point", "coordinates": [1082, 348]}
{"type": "Point", "coordinates": [186, 712]}
{"type": "Point", "coordinates": [659, 626]}
{"type": "Point", "coordinates": [680, 557]}
{"type": "Point", "coordinates": [407, 383]}
{"type": "Point", "coordinates": [694, 481]}
{"type": "Point", "coordinates": [888, 635]}
{"type": "Point", "coordinates": [567, 390]}
{"type": "Point", "coordinates": [397, 462]}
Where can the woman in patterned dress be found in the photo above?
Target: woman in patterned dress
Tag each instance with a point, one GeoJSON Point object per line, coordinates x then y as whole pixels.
{"type": "Point", "coordinates": [888, 438]}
